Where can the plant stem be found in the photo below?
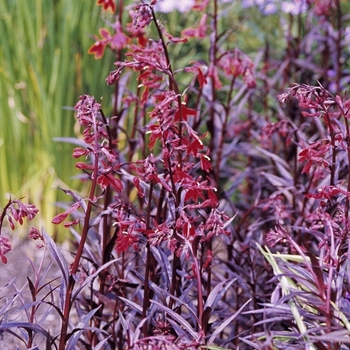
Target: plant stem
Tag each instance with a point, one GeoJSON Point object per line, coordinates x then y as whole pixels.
{"type": "Point", "coordinates": [148, 264]}
{"type": "Point", "coordinates": [71, 282]}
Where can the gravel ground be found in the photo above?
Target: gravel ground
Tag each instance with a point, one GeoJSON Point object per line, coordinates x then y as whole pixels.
{"type": "Point", "coordinates": [13, 275]}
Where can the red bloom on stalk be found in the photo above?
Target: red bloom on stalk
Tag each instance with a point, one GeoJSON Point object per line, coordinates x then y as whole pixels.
{"type": "Point", "coordinates": [328, 192]}
{"type": "Point", "coordinates": [63, 216]}
{"type": "Point", "coordinates": [147, 171]}
{"type": "Point", "coordinates": [78, 152]}
{"type": "Point", "coordinates": [188, 230]}
{"type": "Point", "coordinates": [107, 5]}
{"type": "Point", "coordinates": [117, 41]}
{"type": "Point", "coordinates": [98, 48]}
{"type": "Point", "coordinates": [149, 80]}
{"type": "Point", "coordinates": [151, 58]}
{"type": "Point", "coordinates": [141, 16]}
{"type": "Point", "coordinates": [156, 134]}
{"type": "Point", "coordinates": [126, 240]}
{"type": "Point", "coordinates": [181, 176]}
{"type": "Point", "coordinates": [35, 234]}
{"type": "Point", "coordinates": [313, 155]}
{"type": "Point", "coordinates": [309, 98]}
{"type": "Point", "coordinates": [136, 182]}
{"type": "Point", "coordinates": [106, 179]}
{"type": "Point", "coordinates": [126, 236]}
{"type": "Point", "coordinates": [205, 163]}
{"type": "Point", "coordinates": [175, 40]}
{"type": "Point", "coordinates": [194, 192]}
{"type": "Point", "coordinates": [84, 166]}
{"type": "Point", "coordinates": [15, 210]}
{"type": "Point", "coordinates": [87, 109]}
{"type": "Point", "coordinates": [215, 225]}
{"type": "Point", "coordinates": [185, 112]}
{"type": "Point", "coordinates": [161, 232]}
{"type": "Point", "coordinates": [284, 129]}
{"type": "Point", "coordinates": [196, 144]}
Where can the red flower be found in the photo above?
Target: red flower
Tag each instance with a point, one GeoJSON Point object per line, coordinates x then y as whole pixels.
{"type": "Point", "coordinates": [98, 48]}
{"type": "Point", "coordinates": [141, 16]}
{"type": "Point", "coordinates": [78, 152]}
{"type": "Point", "coordinates": [126, 239]}
{"type": "Point", "coordinates": [215, 225]}
{"type": "Point", "coordinates": [161, 232]}
{"type": "Point", "coordinates": [328, 192]}
{"type": "Point", "coordinates": [63, 216]}
{"type": "Point", "coordinates": [313, 154]}
{"type": "Point", "coordinates": [205, 163]}
{"type": "Point", "coordinates": [185, 112]}
{"type": "Point", "coordinates": [107, 5]}
{"type": "Point", "coordinates": [35, 234]}
{"type": "Point", "coordinates": [15, 210]}
{"type": "Point", "coordinates": [188, 230]}
{"type": "Point", "coordinates": [83, 166]}
{"type": "Point", "coordinates": [106, 179]}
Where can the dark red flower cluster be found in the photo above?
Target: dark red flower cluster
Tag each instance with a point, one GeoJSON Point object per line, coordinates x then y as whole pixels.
{"type": "Point", "coordinates": [141, 16]}
{"type": "Point", "coordinates": [314, 155]}
{"type": "Point", "coordinates": [107, 5]}
{"type": "Point", "coordinates": [14, 211]}
{"type": "Point", "coordinates": [17, 211]}
{"type": "Point", "coordinates": [311, 98]}
{"type": "Point", "coordinates": [317, 102]}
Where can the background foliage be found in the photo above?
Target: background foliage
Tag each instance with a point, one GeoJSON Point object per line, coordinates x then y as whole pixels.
{"type": "Point", "coordinates": [44, 67]}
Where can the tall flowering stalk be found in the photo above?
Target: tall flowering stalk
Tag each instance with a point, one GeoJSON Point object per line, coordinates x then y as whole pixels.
{"type": "Point", "coordinates": [161, 198]}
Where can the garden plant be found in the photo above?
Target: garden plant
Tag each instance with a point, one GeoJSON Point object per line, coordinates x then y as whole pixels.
{"type": "Point", "coordinates": [217, 189]}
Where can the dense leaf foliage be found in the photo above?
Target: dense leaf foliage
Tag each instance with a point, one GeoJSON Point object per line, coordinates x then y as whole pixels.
{"type": "Point", "coordinates": [218, 208]}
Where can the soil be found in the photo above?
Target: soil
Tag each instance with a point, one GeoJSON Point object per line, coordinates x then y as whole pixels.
{"type": "Point", "coordinates": [15, 294]}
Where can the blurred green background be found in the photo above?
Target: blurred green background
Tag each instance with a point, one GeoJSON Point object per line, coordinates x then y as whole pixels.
{"type": "Point", "coordinates": [44, 68]}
